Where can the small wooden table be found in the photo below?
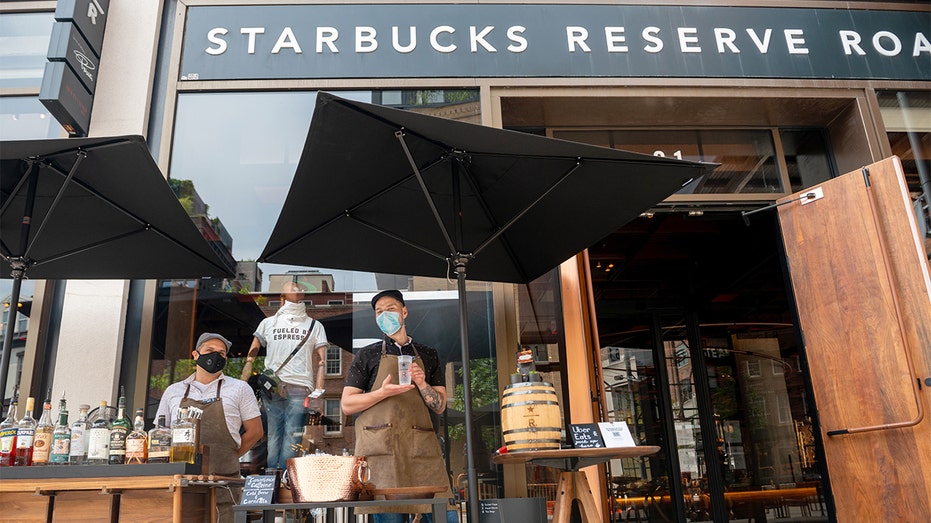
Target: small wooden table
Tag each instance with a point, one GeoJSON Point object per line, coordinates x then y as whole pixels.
{"type": "Point", "coordinates": [573, 484]}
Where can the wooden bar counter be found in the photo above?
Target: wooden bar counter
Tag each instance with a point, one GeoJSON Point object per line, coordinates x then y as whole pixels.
{"type": "Point", "coordinates": [173, 492]}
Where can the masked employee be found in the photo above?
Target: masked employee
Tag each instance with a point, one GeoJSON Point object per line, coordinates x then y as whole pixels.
{"type": "Point", "coordinates": [228, 405]}
{"type": "Point", "coordinates": [393, 428]}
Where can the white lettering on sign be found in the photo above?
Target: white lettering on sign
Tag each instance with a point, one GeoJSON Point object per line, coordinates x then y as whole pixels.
{"type": "Point", "coordinates": [650, 34]}
{"type": "Point", "coordinates": [795, 41]}
{"type": "Point", "coordinates": [286, 40]}
{"type": "Point", "coordinates": [434, 39]}
{"type": "Point", "coordinates": [579, 39]}
{"type": "Point", "coordinates": [687, 37]}
{"type": "Point", "coordinates": [365, 39]}
{"type": "Point", "coordinates": [614, 37]}
{"type": "Point", "coordinates": [516, 35]}
{"type": "Point", "coordinates": [411, 41]}
{"type": "Point", "coordinates": [476, 39]}
{"type": "Point", "coordinates": [885, 43]}
{"type": "Point", "coordinates": [213, 36]}
{"type": "Point", "coordinates": [725, 38]}
{"type": "Point", "coordinates": [93, 10]}
{"type": "Point", "coordinates": [251, 32]}
{"type": "Point", "coordinates": [576, 36]}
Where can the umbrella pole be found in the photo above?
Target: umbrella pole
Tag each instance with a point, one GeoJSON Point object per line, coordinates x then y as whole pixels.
{"type": "Point", "coordinates": [18, 264]}
{"type": "Point", "coordinates": [8, 331]}
{"type": "Point", "coordinates": [473, 508]}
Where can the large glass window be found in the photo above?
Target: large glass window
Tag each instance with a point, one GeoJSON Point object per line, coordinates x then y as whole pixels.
{"type": "Point", "coordinates": [907, 117]}
{"type": "Point", "coordinates": [24, 39]}
{"type": "Point", "coordinates": [232, 162]}
{"type": "Point", "coordinates": [746, 157]}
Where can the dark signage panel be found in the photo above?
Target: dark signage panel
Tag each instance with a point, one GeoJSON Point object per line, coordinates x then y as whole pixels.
{"type": "Point", "coordinates": [551, 40]}
{"type": "Point", "coordinates": [68, 45]}
{"type": "Point", "coordinates": [90, 16]}
{"type": "Point", "coordinates": [64, 96]}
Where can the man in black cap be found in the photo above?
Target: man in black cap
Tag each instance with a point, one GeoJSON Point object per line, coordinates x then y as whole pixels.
{"type": "Point", "coordinates": [393, 426]}
{"type": "Point", "coordinates": [226, 404]}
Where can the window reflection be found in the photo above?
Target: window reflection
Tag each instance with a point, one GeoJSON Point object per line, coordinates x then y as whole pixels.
{"type": "Point", "coordinates": [746, 157]}
{"type": "Point", "coordinates": [24, 41]}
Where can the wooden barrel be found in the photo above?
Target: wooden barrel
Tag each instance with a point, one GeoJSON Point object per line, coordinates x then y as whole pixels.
{"type": "Point", "coordinates": [530, 417]}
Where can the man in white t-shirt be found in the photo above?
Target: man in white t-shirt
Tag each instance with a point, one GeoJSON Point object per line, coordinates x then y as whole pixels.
{"type": "Point", "coordinates": [300, 376]}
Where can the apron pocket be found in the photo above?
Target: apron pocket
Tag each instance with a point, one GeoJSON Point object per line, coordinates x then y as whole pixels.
{"type": "Point", "coordinates": [376, 440]}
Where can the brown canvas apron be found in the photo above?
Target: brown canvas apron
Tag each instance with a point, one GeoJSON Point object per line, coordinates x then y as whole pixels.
{"type": "Point", "coordinates": [224, 456]}
{"type": "Point", "coordinates": [396, 437]}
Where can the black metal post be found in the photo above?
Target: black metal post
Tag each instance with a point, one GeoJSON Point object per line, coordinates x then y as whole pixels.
{"type": "Point", "coordinates": [473, 510]}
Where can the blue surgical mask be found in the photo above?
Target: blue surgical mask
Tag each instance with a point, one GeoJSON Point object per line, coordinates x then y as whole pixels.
{"type": "Point", "coordinates": [389, 322]}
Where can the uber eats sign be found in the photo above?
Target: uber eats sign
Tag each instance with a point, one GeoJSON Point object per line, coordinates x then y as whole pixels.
{"type": "Point", "coordinates": [527, 40]}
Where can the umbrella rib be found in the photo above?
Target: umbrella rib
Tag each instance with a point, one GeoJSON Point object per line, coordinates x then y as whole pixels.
{"type": "Point", "coordinates": [481, 201]}
{"type": "Point", "coordinates": [348, 212]}
{"type": "Point", "coordinates": [426, 193]}
{"type": "Point", "coordinates": [396, 237]}
{"type": "Point", "coordinates": [526, 209]}
{"type": "Point", "coordinates": [88, 247]}
{"type": "Point", "coordinates": [19, 185]}
{"type": "Point", "coordinates": [81, 155]}
{"type": "Point", "coordinates": [146, 225]}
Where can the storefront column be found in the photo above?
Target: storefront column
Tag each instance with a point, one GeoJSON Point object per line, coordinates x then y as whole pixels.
{"type": "Point", "coordinates": [94, 312]}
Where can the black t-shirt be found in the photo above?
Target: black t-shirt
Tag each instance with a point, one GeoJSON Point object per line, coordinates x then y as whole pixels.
{"type": "Point", "coordinates": [364, 366]}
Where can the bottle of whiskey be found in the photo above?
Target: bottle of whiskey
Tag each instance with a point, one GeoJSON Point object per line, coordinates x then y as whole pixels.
{"type": "Point", "coordinates": [25, 431]}
{"type": "Point", "coordinates": [159, 442]}
{"type": "Point", "coordinates": [136, 449]}
{"type": "Point", "coordinates": [8, 435]}
{"type": "Point", "coordinates": [182, 439]}
{"type": "Point", "coordinates": [119, 429]}
{"type": "Point", "coordinates": [79, 433]}
{"type": "Point", "coordinates": [98, 437]}
{"type": "Point", "coordinates": [42, 440]}
{"type": "Point", "coordinates": [61, 438]}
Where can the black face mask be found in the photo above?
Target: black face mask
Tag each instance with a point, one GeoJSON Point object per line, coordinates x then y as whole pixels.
{"type": "Point", "coordinates": [212, 362]}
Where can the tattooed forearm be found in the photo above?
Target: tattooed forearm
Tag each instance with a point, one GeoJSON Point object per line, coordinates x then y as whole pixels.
{"type": "Point", "coordinates": [432, 399]}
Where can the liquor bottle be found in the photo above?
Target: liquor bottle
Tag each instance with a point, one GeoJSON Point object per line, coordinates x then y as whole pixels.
{"type": "Point", "coordinates": [98, 437]}
{"type": "Point", "coordinates": [136, 449]}
{"type": "Point", "coordinates": [79, 433]}
{"type": "Point", "coordinates": [25, 431]}
{"type": "Point", "coordinates": [8, 435]}
{"type": "Point", "coordinates": [61, 438]}
{"type": "Point", "coordinates": [119, 429]}
{"type": "Point", "coordinates": [182, 439]}
{"type": "Point", "coordinates": [42, 440]}
{"type": "Point", "coordinates": [159, 442]}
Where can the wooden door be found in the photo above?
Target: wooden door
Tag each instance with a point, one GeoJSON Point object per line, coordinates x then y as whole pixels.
{"type": "Point", "coordinates": [862, 289]}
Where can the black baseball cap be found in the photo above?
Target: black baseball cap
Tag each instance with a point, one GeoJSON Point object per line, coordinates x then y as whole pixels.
{"type": "Point", "coordinates": [394, 293]}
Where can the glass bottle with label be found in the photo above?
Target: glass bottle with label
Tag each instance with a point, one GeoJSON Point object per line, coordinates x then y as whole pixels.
{"type": "Point", "coordinates": [42, 440]}
{"type": "Point", "coordinates": [159, 442]}
{"type": "Point", "coordinates": [136, 448]}
{"type": "Point", "coordinates": [98, 437]}
{"type": "Point", "coordinates": [182, 439]}
{"type": "Point", "coordinates": [119, 429]}
{"type": "Point", "coordinates": [79, 433]}
{"type": "Point", "coordinates": [25, 431]}
{"type": "Point", "coordinates": [8, 435]}
{"type": "Point", "coordinates": [61, 439]}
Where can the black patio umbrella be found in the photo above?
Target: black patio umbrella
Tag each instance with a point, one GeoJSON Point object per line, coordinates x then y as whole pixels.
{"type": "Point", "coordinates": [385, 190]}
{"type": "Point", "coordinates": [92, 208]}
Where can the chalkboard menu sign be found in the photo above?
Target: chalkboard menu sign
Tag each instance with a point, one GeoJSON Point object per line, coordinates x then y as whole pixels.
{"type": "Point", "coordinates": [259, 490]}
{"type": "Point", "coordinates": [586, 436]}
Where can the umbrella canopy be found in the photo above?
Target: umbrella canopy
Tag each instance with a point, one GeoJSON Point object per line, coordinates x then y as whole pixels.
{"type": "Point", "coordinates": [92, 208]}
{"type": "Point", "coordinates": [383, 190]}
{"type": "Point", "coordinates": [556, 197]}
{"type": "Point", "coordinates": [116, 217]}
